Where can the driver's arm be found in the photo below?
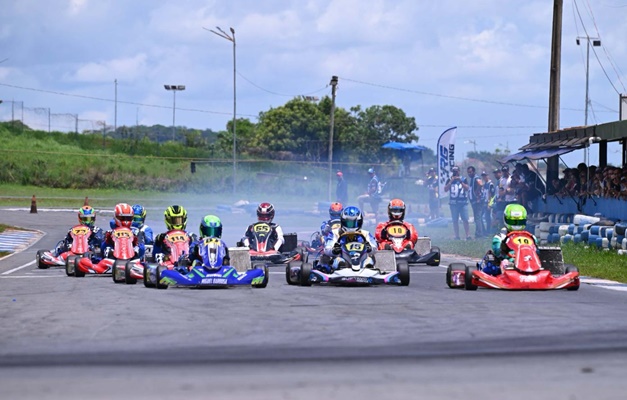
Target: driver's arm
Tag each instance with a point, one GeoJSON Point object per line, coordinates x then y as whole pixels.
{"type": "Point", "coordinates": [280, 238]}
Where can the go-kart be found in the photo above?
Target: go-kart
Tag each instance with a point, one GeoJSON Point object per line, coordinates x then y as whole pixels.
{"type": "Point", "coordinates": [211, 272]}
{"type": "Point", "coordinates": [80, 248]}
{"type": "Point", "coordinates": [397, 239]}
{"type": "Point", "coordinates": [315, 247]}
{"type": "Point", "coordinates": [531, 269]}
{"type": "Point", "coordinates": [261, 246]}
{"type": "Point", "coordinates": [114, 262]}
{"type": "Point", "coordinates": [354, 266]}
{"type": "Point", "coordinates": [177, 242]}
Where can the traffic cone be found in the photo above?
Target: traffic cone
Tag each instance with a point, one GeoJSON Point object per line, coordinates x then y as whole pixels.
{"type": "Point", "coordinates": [86, 201]}
{"type": "Point", "coordinates": [33, 205]}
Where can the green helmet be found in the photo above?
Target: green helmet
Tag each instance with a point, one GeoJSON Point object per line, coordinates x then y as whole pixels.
{"type": "Point", "coordinates": [515, 217]}
{"type": "Point", "coordinates": [211, 226]}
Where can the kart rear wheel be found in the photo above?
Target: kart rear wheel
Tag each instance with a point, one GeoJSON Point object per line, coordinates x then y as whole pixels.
{"type": "Point", "coordinates": [449, 273]}
{"type": "Point", "coordinates": [403, 272]}
{"type": "Point", "coordinates": [40, 264]}
{"type": "Point", "coordinates": [117, 273]}
{"type": "Point", "coordinates": [266, 276]}
{"type": "Point", "coordinates": [158, 285]}
{"type": "Point", "coordinates": [77, 272]}
{"type": "Point", "coordinates": [468, 277]}
{"type": "Point", "coordinates": [436, 261]}
{"type": "Point", "coordinates": [305, 271]}
{"type": "Point", "coordinates": [569, 269]}
{"type": "Point", "coordinates": [147, 282]}
{"type": "Point", "coordinates": [127, 274]}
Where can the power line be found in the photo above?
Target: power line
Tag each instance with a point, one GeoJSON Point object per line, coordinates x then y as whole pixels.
{"type": "Point", "coordinates": [281, 94]}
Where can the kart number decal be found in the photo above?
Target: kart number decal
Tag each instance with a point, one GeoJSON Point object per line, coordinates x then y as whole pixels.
{"type": "Point", "coordinates": [177, 238]}
{"type": "Point", "coordinates": [397, 231]}
{"type": "Point", "coordinates": [522, 240]}
{"type": "Point", "coordinates": [264, 228]}
{"type": "Point", "coordinates": [354, 246]}
{"type": "Point", "coordinates": [528, 278]}
{"type": "Point", "coordinates": [80, 230]}
{"type": "Point", "coordinates": [122, 234]}
{"type": "Point", "coordinates": [211, 240]}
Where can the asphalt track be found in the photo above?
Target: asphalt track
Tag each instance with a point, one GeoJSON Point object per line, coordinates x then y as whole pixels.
{"type": "Point", "coordinates": [88, 338]}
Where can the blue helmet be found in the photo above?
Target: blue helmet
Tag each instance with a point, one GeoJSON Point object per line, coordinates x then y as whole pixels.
{"type": "Point", "coordinates": [351, 219]}
{"type": "Point", "coordinates": [139, 215]}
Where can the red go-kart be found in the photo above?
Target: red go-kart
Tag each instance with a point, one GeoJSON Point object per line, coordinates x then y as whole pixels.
{"type": "Point", "coordinates": [123, 253]}
{"type": "Point", "coordinates": [397, 239]}
{"type": "Point", "coordinates": [527, 272]}
{"type": "Point", "coordinates": [178, 243]}
{"type": "Point", "coordinates": [80, 248]}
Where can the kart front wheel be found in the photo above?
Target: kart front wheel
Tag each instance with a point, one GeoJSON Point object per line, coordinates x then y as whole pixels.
{"type": "Point", "coordinates": [403, 272]}
{"type": "Point", "coordinates": [41, 264]}
{"type": "Point", "coordinates": [569, 269]}
{"type": "Point", "coordinates": [454, 267]}
{"type": "Point", "coordinates": [158, 272]}
{"type": "Point", "coordinates": [266, 276]}
{"type": "Point", "coordinates": [305, 271]}
{"type": "Point", "coordinates": [69, 268]}
{"type": "Point", "coordinates": [117, 275]}
{"type": "Point", "coordinates": [127, 274]}
{"type": "Point", "coordinates": [288, 271]}
{"type": "Point", "coordinates": [147, 282]}
{"type": "Point", "coordinates": [77, 271]}
{"type": "Point", "coordinates": [468, 277]}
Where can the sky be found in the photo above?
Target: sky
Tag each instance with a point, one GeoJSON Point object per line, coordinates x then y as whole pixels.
{"type": "Point", "coordinates": [481, 65]}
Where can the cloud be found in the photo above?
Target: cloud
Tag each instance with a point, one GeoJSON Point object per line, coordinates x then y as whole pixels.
{"type": "Point", "coordinates": [121, 69]}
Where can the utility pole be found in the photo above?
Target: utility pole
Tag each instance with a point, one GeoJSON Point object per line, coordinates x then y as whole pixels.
{"type": "Point", "coordinates": [554, 85]}
{"type": "Point", "coordinates": [115, 113]}
{"type": "Point", "coordinates": [333, 87]}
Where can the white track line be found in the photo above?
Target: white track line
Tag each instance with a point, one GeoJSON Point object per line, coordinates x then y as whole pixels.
{"type": "Point", "coordinates": [18, 268]}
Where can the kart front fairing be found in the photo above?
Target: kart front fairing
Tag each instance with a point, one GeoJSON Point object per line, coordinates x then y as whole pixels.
{"type": "Point", "coordinates": [202, 276]}
{"type": "Point", "coordinates": [349, 277]}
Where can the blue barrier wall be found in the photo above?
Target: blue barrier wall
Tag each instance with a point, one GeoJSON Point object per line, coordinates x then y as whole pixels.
{"type": "Point", "coordinates": [609, 208]}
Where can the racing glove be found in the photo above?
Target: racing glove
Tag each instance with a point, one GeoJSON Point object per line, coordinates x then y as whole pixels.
{"type": "Point", "coordinates": [337, 249]}
{"type": "Point", "coordinates": [368, 248]}
{"type": "Point", "coordinates": [159, 258]}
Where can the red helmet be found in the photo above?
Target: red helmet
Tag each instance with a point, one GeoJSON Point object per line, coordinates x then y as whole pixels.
{"type": "Point", "coordinates": [265, 212]}
{"type": "Point", "coordinates": [396, 210]}
{"type": "Point", "coordinates": [123, 215]}
{"type": "Point", "coordinates": [335, 211]}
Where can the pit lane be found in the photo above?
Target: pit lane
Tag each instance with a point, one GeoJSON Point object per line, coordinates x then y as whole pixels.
{"type": "Point", "coordinates": [65, 337]}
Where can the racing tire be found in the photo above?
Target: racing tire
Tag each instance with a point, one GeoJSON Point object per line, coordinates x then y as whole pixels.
{"type": "Point", "coordinates": [402, 267]}
{"type": "Point", "coordinates": [147, 282]}
{"type": "Point", "coordinates": [569, 269]}
{"type": "Point", "coordinates": [288, 268]}
{"type": "Point", "coordinates": [69, 269]}
{"type": "Point", "coordinates": [115, 275]}
{"type": "Point", "coordinates": [77, 272]}
{"type": "Point", "coordinates": [158, 285]}
{"type": "Point", "coordinates": [449, 273]}
{"type": "Point", "coordinates": [40, 264]}
{"type": "Point", "coordinates": [266, 277]}
{"type": "Point", "coordinates": [305, 271]}
{"type": "Point", "coordinates": [468, 285]}
{"type": "Point", "coordinates": [435, 262]}
{"type": "Point", "coordinates": [128, 279]}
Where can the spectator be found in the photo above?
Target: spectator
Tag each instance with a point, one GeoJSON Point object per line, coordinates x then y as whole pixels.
{"type": "Point", "coordinates": [341, 190]}
{"type": "Point", "coordinates": [434, 196]}
{"type": "Point", "coordinates": [488, 191]}
{"type": "Point", "coordinates": [458, 200]}
{"type": "Point", "coordinates": [474, 197]}
{"type": "Point", "coordinates": [372, 194]}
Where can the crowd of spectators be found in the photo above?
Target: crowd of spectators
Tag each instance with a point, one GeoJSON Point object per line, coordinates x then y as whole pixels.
{"type": "Point", "coordinates": [592, 181]}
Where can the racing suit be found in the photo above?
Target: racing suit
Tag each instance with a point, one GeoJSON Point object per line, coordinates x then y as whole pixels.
{"type": "Point", "coordinates": [145, 236]}
{"type": "Point", "coordinates": [108, 244]}
{"type": "Point", "coordinates": [95, 241]}
{"type": "Point", "coordinates": [196, 258]}
{"type": "Point", "coordinates": [381, 233]}
{"type": "Point", "coordinates": [161, 252]}
{"type": "Point", "coordinates": [276, 235]}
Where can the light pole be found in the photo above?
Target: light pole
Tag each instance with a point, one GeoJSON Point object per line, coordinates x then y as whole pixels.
{"type": "Point", "coordinates": [333, 86]}
{"type": "Point", "coordinates": [231, 38]}
{"type": "Point", "coordinates": [174, 89]}
{"type": "Point", "coordinates": [595, 42]}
